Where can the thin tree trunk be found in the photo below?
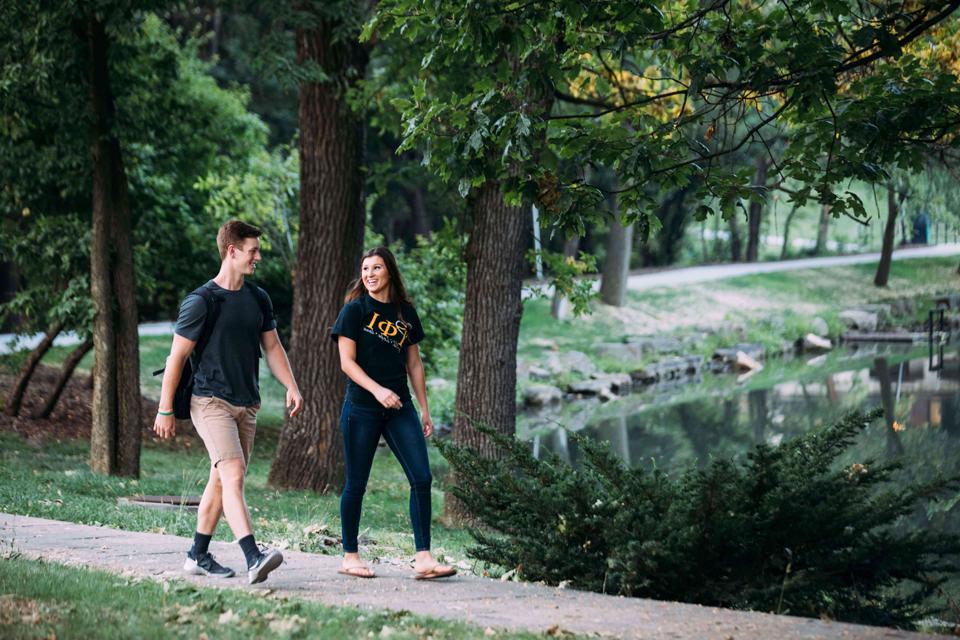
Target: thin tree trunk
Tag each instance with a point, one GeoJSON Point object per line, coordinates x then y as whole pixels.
{"type": "Point", "coordinates": [894, 446]}
{"type": "Point", "coordinates": [116, 428]}
{"type": "Point", "coordinates": [889, 231]}
{"type": "Point", "coordinates": [66, 372]}
{"type": "Point", "coordinates": [418, 211]}
{"type": "Point", "coordinates": [15, 399]}
{"type": "Point", "coordinates": [487, 375]}
{"type": "Point", "coordinates": [822, 229]}
{"type": "Point", "coordinates": [559, 305]}
{"type": "Point", "coordinates": [735, 243]}
{"type": "Point", "coordinates": [755, 215]}
{"type": "Point", "coordinates": [786, 230]}
{"type": "Point", "coordinates": [616, 267]}
{"type": "Point", "coordinates": [332, 139]}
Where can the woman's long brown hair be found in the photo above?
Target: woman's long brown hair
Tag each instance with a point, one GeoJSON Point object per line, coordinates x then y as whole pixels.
{"type": "Point", "coordinates": [398, 292]}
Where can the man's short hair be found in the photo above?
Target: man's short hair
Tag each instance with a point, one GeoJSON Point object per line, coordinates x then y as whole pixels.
{"type": "Point", "coordinates": [235, 232]}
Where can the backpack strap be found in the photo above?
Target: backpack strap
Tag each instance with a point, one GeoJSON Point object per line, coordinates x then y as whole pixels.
{"type": "Point", "coordinates": [209, 322]}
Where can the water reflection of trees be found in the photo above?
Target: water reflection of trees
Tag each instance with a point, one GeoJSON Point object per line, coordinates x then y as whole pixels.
{"type": "Point", "coordinates": [676, 435]}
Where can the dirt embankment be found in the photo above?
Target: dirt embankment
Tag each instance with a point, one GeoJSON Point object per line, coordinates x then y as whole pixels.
{"type": "Point", "coordinates": [71, 418]}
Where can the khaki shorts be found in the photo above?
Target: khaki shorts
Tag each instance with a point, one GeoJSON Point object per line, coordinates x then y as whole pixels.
{"type": "Point", "coordinates": [227, 430]}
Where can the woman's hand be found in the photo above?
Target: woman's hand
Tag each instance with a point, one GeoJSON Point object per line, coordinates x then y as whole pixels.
{"type": "Point", "coordinates": [427, 423]}
{"type": "Point", "coordinates": [388, 398]}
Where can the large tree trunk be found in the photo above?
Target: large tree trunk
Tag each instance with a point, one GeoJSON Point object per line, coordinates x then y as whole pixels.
{"type": "Point", "coordinates": [310, 452]}
{"type": "Point", "coordinates": [487, 375]}
{"type": "Point", "coordinates": [116, 429]}
{"type": "Point", "coordinates": [755, 215]}
{"type": "Point", "coordinates": [822, 229]}
{"type": "Point", "coordinates": [616, 267]}
{"type": "Point", "coordinates": [889, 233]}
{"type": "Point", "coordinates": [560, 306]}
{"type": "Point", "coordinates": [15, 399]}
{"type": "Point", "coordinates": [66, 372]}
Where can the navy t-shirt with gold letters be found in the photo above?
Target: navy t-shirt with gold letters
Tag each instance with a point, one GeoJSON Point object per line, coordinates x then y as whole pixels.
{"type": "Point", "coordinates": [382, 336]}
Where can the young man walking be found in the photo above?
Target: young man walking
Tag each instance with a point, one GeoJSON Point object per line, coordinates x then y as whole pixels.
{"type": "Point", "coordinates": [233, 322]}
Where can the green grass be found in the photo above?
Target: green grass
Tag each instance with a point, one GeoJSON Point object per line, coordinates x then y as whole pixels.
{"type": "Point", "coordinates": [53, 480]}
{"type": "Point", "coordinates": [43, 600]}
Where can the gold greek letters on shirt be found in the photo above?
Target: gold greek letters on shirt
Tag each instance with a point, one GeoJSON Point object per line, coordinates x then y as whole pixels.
{"type": "Point", "coordinates": [387, 328]}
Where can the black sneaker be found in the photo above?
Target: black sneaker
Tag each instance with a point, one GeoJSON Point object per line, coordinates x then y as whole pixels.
{"type": "Point", "coordinates": [205, 565]}
{"type": "Point", "coordinates": [269, 560]}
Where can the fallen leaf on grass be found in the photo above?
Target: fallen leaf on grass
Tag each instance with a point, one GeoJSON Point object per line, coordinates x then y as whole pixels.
{"type": "Point", "coordinates": [228, 617]}
{"type": "Point", "coordinates": [291, 624]}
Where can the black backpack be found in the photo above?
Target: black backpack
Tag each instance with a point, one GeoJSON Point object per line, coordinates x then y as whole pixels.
{"type": "Point", "coordinates": [184, 390]}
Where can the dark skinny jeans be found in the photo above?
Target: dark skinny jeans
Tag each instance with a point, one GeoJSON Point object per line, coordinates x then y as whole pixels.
{"type": "Point", "coordinates": [362, 427]}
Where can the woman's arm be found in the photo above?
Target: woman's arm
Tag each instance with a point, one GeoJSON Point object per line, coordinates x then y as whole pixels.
{"type": "Point", "coordinates": [419, 383]}
{"type": "Point", "coordinates": [348, 364]}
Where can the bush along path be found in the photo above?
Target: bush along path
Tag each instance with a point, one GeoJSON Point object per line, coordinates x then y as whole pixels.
{"type": "Point", "coordinates": [789, 529]}
{"type": "Point", "coordinates": [486, 603]}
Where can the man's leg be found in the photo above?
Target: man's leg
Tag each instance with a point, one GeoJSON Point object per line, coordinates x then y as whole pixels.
{"type": "Point", "coordinates": [199, 561]}
{"type": "Point", "coordinates": [211, 504]}
{"type": "Point", "coordinates": [232, 473]}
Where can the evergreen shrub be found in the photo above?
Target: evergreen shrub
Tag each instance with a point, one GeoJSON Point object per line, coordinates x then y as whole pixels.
{"type": "Point", "coordinates": [785, 529]}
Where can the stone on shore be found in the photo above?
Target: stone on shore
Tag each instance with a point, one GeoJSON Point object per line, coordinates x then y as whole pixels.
{"type": "Point", "coordinates": [541, 395]}
{"type": "Point", "coordinates": [745, 362]}
{"type": "Point", "coordinates": [813, 343]}
{"type": "Point", "coordinates": [566, 362]}
{"type": "Point", "coordinates": [860, 319]}
{"type": "Point", "coordinates": [820, 327]}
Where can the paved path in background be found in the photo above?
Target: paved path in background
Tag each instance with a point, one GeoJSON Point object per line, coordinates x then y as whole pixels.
{"type": "Point", "coordinates": [466, 598]}
{"type": "Point", "coordinates": [636, 282]}
{"type": "Point", "coordinates": [688, 275]}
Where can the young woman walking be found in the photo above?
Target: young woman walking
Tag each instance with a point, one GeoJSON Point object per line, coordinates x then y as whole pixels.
{"type": "Point", "coordinates": [378, 334]}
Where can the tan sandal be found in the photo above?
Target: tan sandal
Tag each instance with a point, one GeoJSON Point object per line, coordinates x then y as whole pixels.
{"type": "Point", "coordinates": [436, 571]}
{"type": "Point", "coordinates": [353, 571]}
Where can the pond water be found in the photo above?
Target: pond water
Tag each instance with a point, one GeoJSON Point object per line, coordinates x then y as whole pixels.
{"type": "Point", "coordinates": [719, 417]}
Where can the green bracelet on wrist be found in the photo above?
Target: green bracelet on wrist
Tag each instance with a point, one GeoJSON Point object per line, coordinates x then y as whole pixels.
{"type": "Point", "coordinates": [164, 413]}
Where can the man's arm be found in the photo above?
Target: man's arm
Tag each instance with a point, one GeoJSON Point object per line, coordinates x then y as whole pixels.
{"type": "Point", "coordinates": [180, 350]}
{"type": "Point", "coordinates": [279, 364]}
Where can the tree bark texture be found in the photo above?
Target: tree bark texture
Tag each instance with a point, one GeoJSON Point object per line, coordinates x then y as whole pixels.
{"type": "Point", "coordinates": [822, 229]}
{"type": "Point", "coordinates": [736, 247]}
{"type": "Point", "coordinates": [664, 249]}
{"type": "Point", "coordinates": [15, 399]}
{"type": "Point", "coordinates": [755, 215]}
{"type": "Point", "coordinates": [487, 375]}
{"type": "Point", "coordinates": [419, 219]}
{"type": "Point", "coordinates": [116, 429]}
{"type": "Point", "coordinates": [310, 452]}
{"type": "Point", "coordinates": [785, 249]}
{"type": "Point", "coordinates": [66, 372]}
{"type": "Point", "coordinates": [616, 267]}
{"type": "Point", "coordinates": [889, 233]}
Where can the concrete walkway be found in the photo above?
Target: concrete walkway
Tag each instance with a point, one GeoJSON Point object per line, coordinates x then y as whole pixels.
{"type": "Point", "coordinates": [688, 275]}
{"type": "Point", "coordinates": [480, 601]}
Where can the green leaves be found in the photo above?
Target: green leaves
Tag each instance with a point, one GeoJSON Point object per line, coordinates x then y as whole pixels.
{"type": "Point", "coordinates": [787, 529]}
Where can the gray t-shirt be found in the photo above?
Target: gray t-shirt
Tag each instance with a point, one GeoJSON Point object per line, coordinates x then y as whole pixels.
{"type": "Point", "coordinates": [230, 364]}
